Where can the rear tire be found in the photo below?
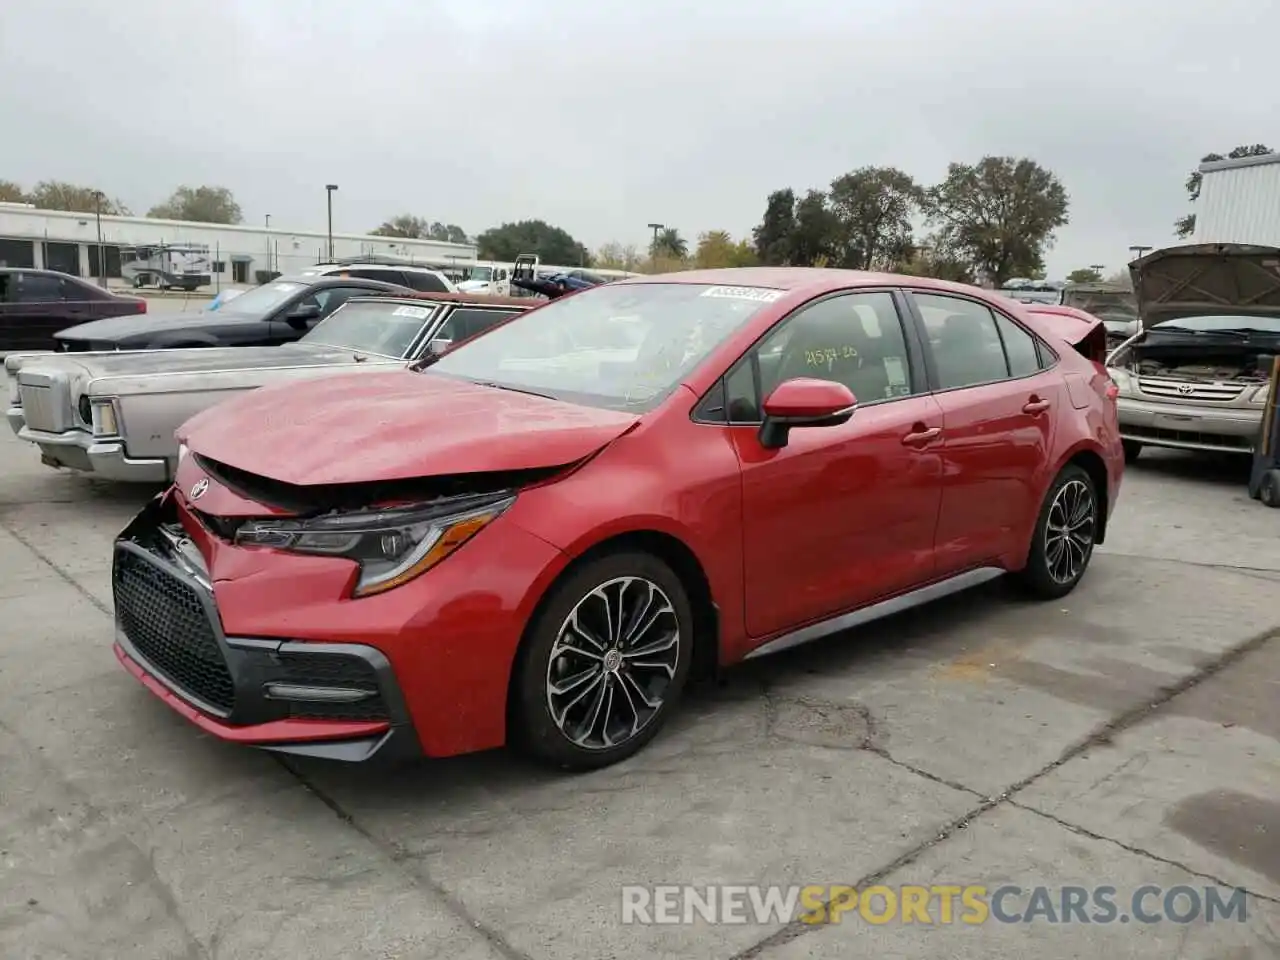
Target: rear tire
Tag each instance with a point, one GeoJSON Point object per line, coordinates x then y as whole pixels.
{"type": "Point", "coordinates": [1132, 449]}
{"type": "Point", "coordinates": [603, 664]}
{"type": "Point", "coordinates": [1269, 488]}
{"type": "Point", "coordinates": [1063, 539]}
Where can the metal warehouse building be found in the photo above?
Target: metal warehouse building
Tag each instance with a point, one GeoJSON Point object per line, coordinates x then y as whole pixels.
{"type": "Point", "coordinates": [68, 242]}
{"type": "Point", "coordinates": [1239, 201]}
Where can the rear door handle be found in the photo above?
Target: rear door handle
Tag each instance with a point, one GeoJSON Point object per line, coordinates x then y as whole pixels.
{"type": "Point", "coordinates": [922, 436]}
{"type": "Point", "coordinates": [1035, 405]}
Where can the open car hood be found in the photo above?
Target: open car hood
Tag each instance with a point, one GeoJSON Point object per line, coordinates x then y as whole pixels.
{"type": "Point", "coordinates": [398, 425]}
{"type": "Point", "coordinates": [1207, 279]}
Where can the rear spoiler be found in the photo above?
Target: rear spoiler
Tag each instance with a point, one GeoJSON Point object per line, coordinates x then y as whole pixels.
{"type": "Point", "coordinates": [1082, 330]}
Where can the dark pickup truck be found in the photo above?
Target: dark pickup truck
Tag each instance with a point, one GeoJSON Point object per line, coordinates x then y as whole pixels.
{"type": "Point", "coordinates": [35, 304]}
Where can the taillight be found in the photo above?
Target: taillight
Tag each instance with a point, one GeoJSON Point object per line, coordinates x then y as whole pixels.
{"type": "Point", "coordinates": [142, 306]}
{"type": "Point", "coordinates": [1113, 392]}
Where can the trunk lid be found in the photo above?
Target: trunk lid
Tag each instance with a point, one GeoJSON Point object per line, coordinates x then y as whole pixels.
{"type": "Point", "coordinates": [1206, 279]}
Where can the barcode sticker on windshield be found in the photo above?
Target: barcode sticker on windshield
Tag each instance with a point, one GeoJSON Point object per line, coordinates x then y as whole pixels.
{"type": "Point", "coordinates": [418, 313]}
{"type": "Point", "coordinates": [758, 294]}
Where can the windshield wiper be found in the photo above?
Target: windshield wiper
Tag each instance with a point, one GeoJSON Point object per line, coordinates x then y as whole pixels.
{"type": "Point", "coordinates": [503, 386]}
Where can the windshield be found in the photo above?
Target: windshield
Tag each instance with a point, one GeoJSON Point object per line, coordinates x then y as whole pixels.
{"type": "Point", "coordinates": [624, 346]}
{"type": "Point", "coordinates": [265, 298]}
{"type": "Point", "coordinates": [1216, 324]}
{"type": "Point", "coordinates": [386, 329]}
{"type": "Point", "coordinates": [480, 273]}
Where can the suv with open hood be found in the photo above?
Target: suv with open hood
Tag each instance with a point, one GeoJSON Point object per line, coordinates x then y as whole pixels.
{"type": "Point", "coordinates": [1197, 373]}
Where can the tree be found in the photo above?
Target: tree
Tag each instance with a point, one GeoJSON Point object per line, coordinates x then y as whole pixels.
{"type": "Point", "coordinates": [10, 192]}
{"type": "Point", "coordinates": [934, 258]}
{"type": "Point", "coordinates": [419, 228]}
{"type": "Point", "coordinates": [815, 239]}
{"type": "Point", "coordinates": [1084, 275]}
{"type": "Point", "coordinates": [999, 214]}
{"type": "Point", "coordinates": [669, 244]}
{"type": "Point", "coordinates": [874, 207]}
{"type": "Point", "coordinates": [551, 244]}
{"type": "Point", "coordinates": [616, 256]}
{"type": "Point", "coordinates": [1186, 226]}
{"type": "Point", "coordinates": [56, 195]}
{"type": "Point", "coordinates": [772, 238]}
{"type": "Point", "coordinates": [201, 204]}
{"type": "Point", "coordinates": [717, 249]}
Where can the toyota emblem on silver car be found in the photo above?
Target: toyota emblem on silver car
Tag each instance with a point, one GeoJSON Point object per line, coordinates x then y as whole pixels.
{"type": "Point", "coordinates": [1186, 389]}
{"type": "Point", "coordinates": [198, 488]}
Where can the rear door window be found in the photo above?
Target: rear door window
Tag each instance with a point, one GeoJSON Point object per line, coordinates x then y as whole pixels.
{"type": "Point", "coordinates": [36, 288]}
{"type": "Point", "coordinates": [464, 323]}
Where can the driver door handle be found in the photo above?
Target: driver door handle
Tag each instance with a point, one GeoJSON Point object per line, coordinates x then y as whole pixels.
{"type": "Point", "coordinates": [922, 436]}
{"type": "Point", "coordinates": [1035, 405]}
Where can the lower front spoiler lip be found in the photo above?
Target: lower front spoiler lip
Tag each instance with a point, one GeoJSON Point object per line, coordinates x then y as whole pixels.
{"type": "Point", "coordinates": [345, 740]}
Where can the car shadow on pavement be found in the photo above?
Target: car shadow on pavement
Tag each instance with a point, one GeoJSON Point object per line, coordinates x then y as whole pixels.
{"type": "Point", "coordinates": [1225, 468]}
{"type": "Point", "coordinates": [740, 698]}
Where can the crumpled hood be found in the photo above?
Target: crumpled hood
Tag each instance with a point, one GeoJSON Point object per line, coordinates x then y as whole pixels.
{"type": "Point", "coordinates": [1207, 279]}
{"type": "Point", "coordinates": [398, 425]}
{"type": "Point", "coordinates": [119, 328]}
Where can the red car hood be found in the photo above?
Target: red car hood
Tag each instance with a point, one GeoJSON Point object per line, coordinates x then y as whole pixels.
{"type": "Point", "coordinates": [395, 426]}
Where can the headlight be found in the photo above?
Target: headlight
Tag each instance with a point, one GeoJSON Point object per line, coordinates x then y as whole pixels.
{"type": "Point", "coordinates": [1261, 394]}
{"type": "Point", "coordinates": [391, 546]}
{"type": "Point", "coordinates": [183, 450]}
{"type": "Point", "coordinates": [102, 417]}
{"type": "Point", "coordinates": [15, 394]}
{"type": "Point", "coordinates": [1122, 380]}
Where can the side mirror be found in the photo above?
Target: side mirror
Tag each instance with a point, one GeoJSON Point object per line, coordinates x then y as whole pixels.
{"type": "Point", "coordinates": [438, 346]}
{"type": "Point", "coordinates": [803, 402]}
{"type": "Point", "coordinates": [301, 314]}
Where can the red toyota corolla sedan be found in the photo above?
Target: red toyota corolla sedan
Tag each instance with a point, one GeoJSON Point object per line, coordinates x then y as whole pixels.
{"type": "Point", "coordinates": [542, 536]}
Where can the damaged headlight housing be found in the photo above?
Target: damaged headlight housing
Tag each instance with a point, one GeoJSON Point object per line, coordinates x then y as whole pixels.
{"type": "Point", "coordinates": [391, 546]}
{"type": "Point", "coordinates": [1261, 394]}
{"type": "Point", "coordinates": [1121, 379]}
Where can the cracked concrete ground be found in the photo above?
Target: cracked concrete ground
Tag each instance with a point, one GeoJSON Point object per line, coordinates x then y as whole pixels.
{"type": "Point", "coordinates": [1128, 735]}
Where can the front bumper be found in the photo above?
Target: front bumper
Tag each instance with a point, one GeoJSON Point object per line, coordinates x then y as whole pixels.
{"type": "Point", "coordinates": [1188, 426]}
{"type": "Point", "coordinates": [78, 450]}
{"type": "Point", "coordinates": [338, 701]}
{"type": "Point", "coordinates": [16, 419]}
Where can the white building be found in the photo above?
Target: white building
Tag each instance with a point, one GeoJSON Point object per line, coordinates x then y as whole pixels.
{"type": "Point", "coordinates": [68, 242]}
{"type": "Point", "coordinates": [1239, 201]}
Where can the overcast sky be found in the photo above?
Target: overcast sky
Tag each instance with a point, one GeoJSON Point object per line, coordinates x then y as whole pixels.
{"type": "Point", "coordinates": [602, 116]}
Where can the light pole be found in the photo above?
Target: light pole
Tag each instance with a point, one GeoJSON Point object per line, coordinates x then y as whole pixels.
{"type": "Point", "coordinates": [1097, 268]}
{"type": "Point", "coordinates": [267, 224]}
{"type": "Point", "coordinates": [1138, 251]}
{"type": "Point", "coordinates": [97, 215]}
{"type": "Point", "coordinates": [653, 247]}
{"type": "Point", "coordinates": [328, 190]}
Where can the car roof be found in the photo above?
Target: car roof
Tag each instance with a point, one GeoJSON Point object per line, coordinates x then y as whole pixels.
{"type": "Point", "coordinates": [420, 268]}
{"type": "Point", "coordinates": [471, 299]}
{"type": "Point", "coordinates": [812, 280]}
{"type": "Point", "coordinates": [338, 281]}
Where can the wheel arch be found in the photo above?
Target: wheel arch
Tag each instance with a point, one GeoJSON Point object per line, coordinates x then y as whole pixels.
{"type": "Point", "coordinates": [683, 561]}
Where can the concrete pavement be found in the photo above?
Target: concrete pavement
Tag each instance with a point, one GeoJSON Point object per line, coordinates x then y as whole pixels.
{"type": "Point", "coordinates": [1129, 735]}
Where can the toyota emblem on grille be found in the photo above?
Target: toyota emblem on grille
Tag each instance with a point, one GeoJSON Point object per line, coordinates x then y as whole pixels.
{"type": "Point", "coordinates": [1186, 389]}
{"type": "Point", "coordinates": [198, 488]}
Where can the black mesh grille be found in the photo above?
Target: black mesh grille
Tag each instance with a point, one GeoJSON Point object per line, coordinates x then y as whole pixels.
{"type": "Point", "coordinates": [332, 670]}
{"type": "Point", "coordinates": [167, 624]}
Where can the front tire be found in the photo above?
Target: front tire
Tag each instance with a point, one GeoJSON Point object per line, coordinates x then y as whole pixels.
{"type": "Point", "coordinates": [1063, 540]}
{"type": "Point", "coordinates": [604, 663]}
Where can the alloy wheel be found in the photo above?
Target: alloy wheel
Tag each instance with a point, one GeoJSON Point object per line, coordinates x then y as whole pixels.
{"type": "Point", "coordinates": [614, 657]}
{"type": "Point", "coordinates": [1069, 531]}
